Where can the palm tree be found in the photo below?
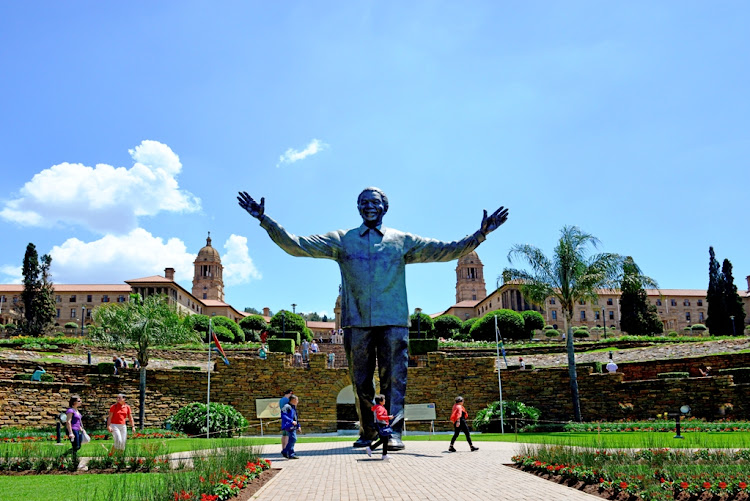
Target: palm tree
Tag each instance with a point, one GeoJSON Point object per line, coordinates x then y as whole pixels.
{"type": "Point", "coordinates": [569, 275]}
{"type": "Point", "coordinates": [141, 323]}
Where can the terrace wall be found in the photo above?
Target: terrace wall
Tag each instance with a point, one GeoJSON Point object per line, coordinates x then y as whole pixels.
{"type": "Point", "coordinates": [24, 403]}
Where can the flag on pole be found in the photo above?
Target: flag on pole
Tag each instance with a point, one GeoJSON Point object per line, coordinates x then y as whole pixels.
{"type": "Point", "coordinates": [218, 348]}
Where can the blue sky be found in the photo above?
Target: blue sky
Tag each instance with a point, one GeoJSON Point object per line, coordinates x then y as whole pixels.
{"type": "Point", "coordinates": [127, 129]}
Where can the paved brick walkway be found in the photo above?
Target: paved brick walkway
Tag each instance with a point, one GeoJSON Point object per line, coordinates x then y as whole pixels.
{"type": "Point", "coordinates": [335, 471]}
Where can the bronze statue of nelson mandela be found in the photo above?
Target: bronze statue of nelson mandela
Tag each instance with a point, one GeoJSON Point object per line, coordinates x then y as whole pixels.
{"type": "Point", "coordinates": [374, 311]}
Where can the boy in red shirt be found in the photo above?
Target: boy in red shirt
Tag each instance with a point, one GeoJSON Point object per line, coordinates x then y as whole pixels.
{"type": "Point", "coordinates": [118, 413]}
{"type": "Point", "coordinates": [382, 421]}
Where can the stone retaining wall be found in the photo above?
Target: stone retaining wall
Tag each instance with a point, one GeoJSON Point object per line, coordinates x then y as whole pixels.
{"type": "Point", "coordinates": [24, 403]}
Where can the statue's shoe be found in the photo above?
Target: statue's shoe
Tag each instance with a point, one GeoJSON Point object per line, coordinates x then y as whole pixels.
{"type": "Point", "coordinates": [362, 442]}
{"type": "Point", "coordinates": [395, 443]}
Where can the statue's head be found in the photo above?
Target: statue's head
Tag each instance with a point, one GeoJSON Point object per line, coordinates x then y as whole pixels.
{"type": "Point", "coordinates": [372, 204]}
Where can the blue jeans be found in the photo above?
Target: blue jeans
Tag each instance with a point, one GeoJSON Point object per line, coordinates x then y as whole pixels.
{"type": "Point", "coordinates": [289, 449]}
{"type": "Point", "coordinates": [76, 442]}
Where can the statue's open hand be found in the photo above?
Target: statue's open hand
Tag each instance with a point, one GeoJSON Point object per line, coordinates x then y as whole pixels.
{"type": "Point", "coordinates": [493, 222]}
{"type": "Point", "coordinates": [252, 207]}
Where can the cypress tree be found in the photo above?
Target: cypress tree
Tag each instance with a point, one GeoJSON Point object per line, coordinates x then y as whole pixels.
{"type": "Point", "coordinates": [716, 310]}
{"type": "Point", "coordinates": [37, 295]}
{"type": "Point", "coordinates": [638, 316]}
{"type": "Point", "coordinates": [733, 302]}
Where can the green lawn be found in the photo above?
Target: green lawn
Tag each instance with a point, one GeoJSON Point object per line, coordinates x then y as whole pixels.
{"type": "Point", "coordinates": [74, 487]}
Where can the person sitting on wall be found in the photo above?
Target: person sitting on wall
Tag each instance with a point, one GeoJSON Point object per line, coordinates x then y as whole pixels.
{"type": "Point", "coordinates": [704, 370]}
{"type": "Point", "coordinates": [37, 375]}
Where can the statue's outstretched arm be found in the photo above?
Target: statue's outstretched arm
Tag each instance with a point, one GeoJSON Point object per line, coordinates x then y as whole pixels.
{"type": "Point", "coordinates": [493, 222]}
{"type": "Point", "coordinates": [254, 208]}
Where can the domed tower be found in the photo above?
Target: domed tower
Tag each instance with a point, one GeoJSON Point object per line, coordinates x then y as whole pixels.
{"type": "Point", "coordinates": [208, 282]}
{"type": "Point", "coordinates": [470, 279]}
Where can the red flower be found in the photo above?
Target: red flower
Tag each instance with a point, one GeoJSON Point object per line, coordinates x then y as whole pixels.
{"type": "Point", "coordinates": [722, 485]}
{"type": "Point", "coordinates": [661, 480]}
{"type": "Point", "coordinates": [623, 485]}
{"type": "Point", "coordinates": [742, 485]}
{"type": "Point", "coordinates": [601, 480]}
{"type": "Point", "coordinates": [706, 485]}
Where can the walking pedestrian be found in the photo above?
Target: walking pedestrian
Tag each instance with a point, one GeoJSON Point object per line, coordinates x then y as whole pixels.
{"type": "Point", "coordinates": [290, 424]}
{"type": "Point", "coordinates": [116, 422]}
{"type": "Point", "coordinates": [73, 423]}
{"type": "Point", "coordinates": [282, 402]}
{"type": "Point", "coordinates": [382, 424]}
{"type": "Point", "coordinates": [459, 417]}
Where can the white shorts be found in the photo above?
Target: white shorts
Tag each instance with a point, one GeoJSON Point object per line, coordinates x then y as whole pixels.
{"type": "Point", "coordinates": [120, 434]}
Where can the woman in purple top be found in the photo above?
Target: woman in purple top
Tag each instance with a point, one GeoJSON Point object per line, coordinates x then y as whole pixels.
{"type": "Point", "coordinates": [73, 423]}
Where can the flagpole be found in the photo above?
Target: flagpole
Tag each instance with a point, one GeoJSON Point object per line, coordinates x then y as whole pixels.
{"type": "Point", "coordinates": [499, 379]}
{"type": "Point", "coordinates": [208, 394]}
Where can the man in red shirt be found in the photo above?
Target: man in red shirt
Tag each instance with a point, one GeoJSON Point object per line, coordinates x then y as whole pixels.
{"type": "Point", "coordinates": [118, 414]}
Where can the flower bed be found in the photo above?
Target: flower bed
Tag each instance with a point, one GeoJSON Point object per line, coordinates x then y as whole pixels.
{"type": "Point", "coordinates": [648, 474]}
{"type": "Point", "coordinates": [222, 485]}
{"type": "Point", "coordinates": [659, 425]}
{"type": "Point", "coordinates": [32, 436]}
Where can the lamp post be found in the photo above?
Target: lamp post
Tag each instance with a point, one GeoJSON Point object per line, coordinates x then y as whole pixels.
{"type": "Point", "coordinates": [418, 311]}
{"type": "Point", "coordinates": [734, 332]}
{"type": "Point", "coordinates": [294, 306]}
{"type": "Point", "coordinates": [683, 410]}
{"type": "Point", "coordinates": [604, 323]}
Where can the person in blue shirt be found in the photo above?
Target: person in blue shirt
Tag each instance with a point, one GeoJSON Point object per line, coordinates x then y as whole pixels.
{"type": "Point", "coordinates": [37, 375]}
{"type": "Point", "coordinates": [290, 424]}
{"type": "Point", "coordinates": [282, 402]}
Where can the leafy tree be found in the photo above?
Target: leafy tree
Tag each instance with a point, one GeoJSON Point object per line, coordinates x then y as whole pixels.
{"type": "Point", "coordinates": [467, 324]}
{"type": "Point", "coordinates": [289, 322]}
{"type": "Point", "coordinates": [509, 322]}
{"type": "Point", "coordinates": [447, 326]}
{"type": "Point", "coordinates": [198, 323]}
{"type": "Point", "coordinates": [716, 311]}
{"type": "Point", "coordinates": [236, 334]}
{"type": "Point", "coordinates": [252, 311]}
{"type": "Point", "coordinates": [312, 317]}
{"type": "Point", "coordinates": [638, 316]}
{"type": "Point", "coordinates": [253, 326]}
{"type": "Point", "coordinates": [324, 318]}
{"type": "Point", "coordinates": [37, 297]}
{"type": "Point", "coordinates": [141, 324]}
{"type": "Point", "coordinates": [421, 323]}
{"type": "Point", "coordinates": [570, 275]}
{"type": "Point", "coordinates": [732, 301]}
{"type": "Point", "coordinates": [532, 320]}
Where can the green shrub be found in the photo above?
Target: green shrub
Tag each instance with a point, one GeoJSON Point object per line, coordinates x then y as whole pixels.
{"type": "Point", "coordinates": [224, 420]}
{"type": "Point", "coordinates": [199, 323]}
{"type": "Point", "coordinates": [106, 367]}
{"type": "Point", "coordinates": [238, 335]}
{"type": "Point", "coordinates": [223, 333]}
{"type": "Point", "coordinates": [294, 336]}
{"type": "Point", "coordinates": [532, 321]}
{"type": "Point", "coordinates": [595, 366]}
{"type": "Point", "coordinates": [516, 415]}
{"type": "Point", "coordinates": [281, 345]}
{"type": "Point", "coordinates": [467, 324]}
{"type": "Point", "coordinates": [509, 322]}
{"type": "Point", "coordinates": [672, 375]}
{"type": "Point", "coordinates": [447, 326]}
{"type": "Point", "coordinates": [186, 368]}
{"type": "Point", "coordinates": [422, 346]}
{"type": "Point", "coordinates": [699, 327]}
{"type": "Point", "coordinates": [672, 334]}
{"type": "Point", "coordinates": [579, 334]}
{"type": "Point", "coordinates": [289, 322]}
{"type": "Point", "coordinates": [551, 332]}
{"type": "Point", "coordinates": [460, 336]}
{"type": "Point", "coordinates": [71, 325]}
{"type": "Point", "coordinates": [253, 326]}
{"type": "Point", "coordinates": [421, 324]}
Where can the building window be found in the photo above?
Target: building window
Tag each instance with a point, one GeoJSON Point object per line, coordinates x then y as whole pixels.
{"type": "Point", "coordinates": [473, 297]}
{"type": "Point", "coordinates": [686, 302]}
{"type": "Point", "coordinates": [205, 296]}
{"type": "Point", "coordinates": [15, 299]}
{"type": "Point", "coordinates": [58, 299]}
{"type": "Point", "coordinates": [105, 299]}
{"type": "Point", "coordinates": [687, 316]}
{"type": "Point", "coordinates": [673, 302]}
{"type": "Point", "coordinates": [552, 301]}
{"type": "Point", "coordinates": [120, 298]}
{"type": "Point", "coordinates": [58, 313]}
{"type": "Point", "coordinates": [700, 316]}
{"type": "Point", "coordinates": [700, 302]}
{"type": "Point", "coordinates": [596, 316]}
{"type": "Point", "coordinates": [609, 302]}
{"type": "Point", "coordinates": [73, 312]}
{"type": "Point", "coordinates": [554, 314]}
{"type": "Point", "coordinates": [658, 302]}
{"type": "Point", "coordinates": [88, 313]}
{"type": "Point", "coordinates": [583, 315]}
{"type": "Point", "coordinates": [89, 298]}
{"type": "Point", "coordinates": [73, 298]}
{"type": "Point", "coordinates": [582, 302]}
{"type": "Point", "coordinates": [611, 315]}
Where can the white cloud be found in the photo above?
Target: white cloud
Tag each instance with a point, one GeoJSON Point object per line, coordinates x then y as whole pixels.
{"type": "Point", "coordinates": [104, 198]}
{"type": "Point", "coordinates": [13, 274]}
{"type": "Point", "coordinates": [114, 259]}
{"type": "Point", "coordinates": [291, 155]}
{"type": "Point", "coordinates": [238, 266]}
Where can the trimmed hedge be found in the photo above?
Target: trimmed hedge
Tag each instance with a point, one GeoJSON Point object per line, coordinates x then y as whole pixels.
{"type": "Point", "coordinates": [596, 366]}
{"type": "Point", "coordinates": [186, 368]}
{"type": "Point", "coordinates": [551, 332]}
{"type": "Point", "coordinates": [740, 374]}
{"type": "Point", "coordinates": [294, 336]}
{"type": "Point", "coordinates": [281, 345]}
{"type": "Point", "coordinates": [106, 367]}
{"type": "Point", "coordinates": [422, 346]}
{"type": "Point", "coordinates": [46, 378]}
{"type": "Point", "coordinates": [672, 375]}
